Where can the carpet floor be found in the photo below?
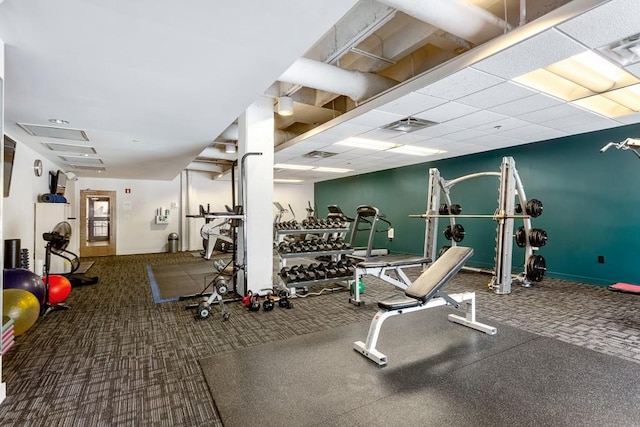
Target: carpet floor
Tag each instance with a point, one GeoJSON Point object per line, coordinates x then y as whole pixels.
{"type": "Point", "coordinates": [118, 358]}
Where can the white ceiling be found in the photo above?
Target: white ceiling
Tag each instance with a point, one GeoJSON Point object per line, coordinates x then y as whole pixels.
{"type": "Point", "coordinates": [172, 76]}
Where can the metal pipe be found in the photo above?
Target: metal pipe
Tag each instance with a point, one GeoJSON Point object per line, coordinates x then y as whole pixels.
{"type": "Point", "coordinates": [243, 197]}
{"type": "Point", "coordinates": [523, 12]}
{"type": "Point", "coordinates": [449, 184]}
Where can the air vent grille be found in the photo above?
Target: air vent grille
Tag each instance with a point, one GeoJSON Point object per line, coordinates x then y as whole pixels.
{"type": "Point", "coordinates": [70, 148]}
{"type": "Point", "coordinates": [409, 124]}
{"type": "Point", "coordinates": [89, 168]}
{"type": "Point", "coordinates": [82, 160]}
{"type": "Point", "coordinates": [54, 132]}
{"type": "Point", "coordinates": [319, 154]}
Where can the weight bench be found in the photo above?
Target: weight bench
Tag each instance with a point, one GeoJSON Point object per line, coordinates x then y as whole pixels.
{"type": "Point", "coordinates": [381, 267]}
{"type": "Point", "coordinates": [425, 293]}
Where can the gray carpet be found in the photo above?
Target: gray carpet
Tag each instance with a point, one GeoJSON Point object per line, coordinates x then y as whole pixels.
{"type": "Point", "coordinates": [439, 373]}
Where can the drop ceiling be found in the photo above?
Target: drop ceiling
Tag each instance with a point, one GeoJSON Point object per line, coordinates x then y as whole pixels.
{"type": "Point", "coordinates": [155, 84]}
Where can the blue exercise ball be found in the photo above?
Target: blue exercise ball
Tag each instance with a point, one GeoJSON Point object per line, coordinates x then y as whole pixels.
{"type": "Point", "coordinates": [21, 278]}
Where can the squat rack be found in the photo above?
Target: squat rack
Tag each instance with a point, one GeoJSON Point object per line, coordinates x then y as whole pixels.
{"type": "Point", "coordinates": [510, 186]}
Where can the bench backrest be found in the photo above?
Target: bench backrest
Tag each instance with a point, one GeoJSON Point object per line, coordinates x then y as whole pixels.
{"type": "Point", "coordinates": [439, 273]}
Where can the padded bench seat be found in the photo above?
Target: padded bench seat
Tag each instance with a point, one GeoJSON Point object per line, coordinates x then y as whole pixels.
{"type": "Point", "coordinates": [398, 303]}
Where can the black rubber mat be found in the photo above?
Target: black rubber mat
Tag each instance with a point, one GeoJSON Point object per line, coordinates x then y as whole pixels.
{"type": "Point", "coordinates": [438, 373]}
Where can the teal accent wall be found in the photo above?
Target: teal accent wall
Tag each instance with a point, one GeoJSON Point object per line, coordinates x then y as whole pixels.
{"type": "Point", "coordinates": [591, 204]}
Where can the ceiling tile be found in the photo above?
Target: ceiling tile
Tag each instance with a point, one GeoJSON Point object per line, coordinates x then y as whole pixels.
{"type": "Point", "coordinates": [576, 122]}
{"type": "Point", "coordinates": [630, 119]}
{"type": "Point", "coordinates": [495, 141]}
{"type": "Point", "coordinates": [460, 84]}
{"type": "Point", "coordinates": [502, 125]}
{"type": "Point", "coordinates": [533, 132]}
{"type": "Point", "coordinates": [380, 134]}
{"type": "Point", "coordinates": [496, 95]}
{"type": "Point", "coordinates": [536, 52]}
{"type": "Point", "coordinates": [345, 130]}
{"type": "Point", "coordinates": [591, 125]}
{"type": "Point", "coordinates": [464, 135]}
{"type": "Point", "coordinates": [438, 130]}
{"type": "Point", "coordinates": [476, 119]}
{"type": "Point", "coordinates": [376, 118]}
{"type": "Point", "coordinates": [605, 24]}
{"type": "Point", "coordinates": [411, 104]}
{"type": "Point", "coordinates": [552, 113]}
{"type": "Point", "coordinates": [527, 105]}
{"type": "Point", "coordinates": [445, 112]}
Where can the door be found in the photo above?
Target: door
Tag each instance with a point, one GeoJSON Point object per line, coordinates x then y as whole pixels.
{"type": "Point", "coordinates": [97, 223]}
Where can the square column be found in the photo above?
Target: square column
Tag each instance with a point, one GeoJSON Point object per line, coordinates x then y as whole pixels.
{"type": "Point", "coordinates": [255, 135]}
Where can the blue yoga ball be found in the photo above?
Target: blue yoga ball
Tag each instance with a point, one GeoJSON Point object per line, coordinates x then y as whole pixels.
{"type": "Point", "coordinates": [21, 278]}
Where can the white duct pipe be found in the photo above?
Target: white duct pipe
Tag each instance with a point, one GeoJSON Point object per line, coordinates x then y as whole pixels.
{"type": "Point", "coordinates": [318, 75]}
{"type": "Point", "coordinates": [458, 17]}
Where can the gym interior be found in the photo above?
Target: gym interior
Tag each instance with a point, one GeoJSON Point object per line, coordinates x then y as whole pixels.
{"type": "Point", "coordinates": [393, 213]}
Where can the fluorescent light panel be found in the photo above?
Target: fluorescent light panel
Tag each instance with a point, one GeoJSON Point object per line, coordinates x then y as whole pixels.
{"type": "Point", "coordinates": [292, 167]}
{"type": "Point", "coordinates": [589, 81]}
{"type": "Point", "coordinates": [287, 181]}
{"type": "Point", "coordinates": [369, 144]}
{"type": "Point", "coordinates": [331, 170]}
{"type": "Point", "coordinates": [413, 150]}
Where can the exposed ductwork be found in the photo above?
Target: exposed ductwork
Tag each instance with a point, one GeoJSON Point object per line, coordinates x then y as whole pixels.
{"type": "Point", "coordinates": [318, 75]}
{"type": "Point", "coordinates": [458, 17]}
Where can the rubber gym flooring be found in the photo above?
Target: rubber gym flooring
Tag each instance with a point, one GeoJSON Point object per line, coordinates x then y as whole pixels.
{"type": "Point", "coordinates": [117, 358]}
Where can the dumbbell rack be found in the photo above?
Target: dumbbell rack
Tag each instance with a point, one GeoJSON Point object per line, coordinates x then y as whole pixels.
{"type": "Point", "coordinates": [282, 258]}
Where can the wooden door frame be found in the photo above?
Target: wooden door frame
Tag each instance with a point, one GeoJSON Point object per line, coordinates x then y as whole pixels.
{"type": "Point", "coordinates": [103, 250]}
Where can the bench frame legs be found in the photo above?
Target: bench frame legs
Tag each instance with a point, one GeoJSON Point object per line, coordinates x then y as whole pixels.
{"type": "Point", "coordinates": [369, 350]}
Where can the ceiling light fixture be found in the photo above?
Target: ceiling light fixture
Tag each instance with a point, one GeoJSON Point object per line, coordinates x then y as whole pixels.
{"type": "Point", "coordinates": [369, 144]}
{"type": "Point", "coordinates": [59, 121]}
{"type": "Point", "coordinates": [287, 181]}
{"type": "Point", "coordinates": [588, 81]}
{"type": "Point", "coordinates": [230, 148]}
{"type": "Point", "coordinates": [285, 106]}
{"type": "Point", "coordinates": [331, 170]}
{"type": "Point", "coordinates": [413, 150]}
{"type": "Point", "coordinates": [292, 167]}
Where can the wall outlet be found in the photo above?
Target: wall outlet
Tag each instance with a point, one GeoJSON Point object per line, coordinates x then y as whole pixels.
{"type": "Point", "coordinates": [600, 259]}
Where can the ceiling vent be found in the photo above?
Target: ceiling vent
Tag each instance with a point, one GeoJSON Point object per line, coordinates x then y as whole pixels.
{"type": "Point", "coordinates": [70, 148]}
{"type": "Point", "coordinates": [54, 132]}
{"type": "Point", "coordinates": [624, 52]}
{"type": "Point", "coordinates": [89, 168]}
{"type": "Point", "coordinates": [319, 154]}
{"type": "Point", "coordinates": [409, 124]}
{"type": "Point", "coordinates": [82, 160]}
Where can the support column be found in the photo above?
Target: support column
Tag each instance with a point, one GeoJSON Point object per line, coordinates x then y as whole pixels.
{"type": "Point", "coordinates": [255, 135]}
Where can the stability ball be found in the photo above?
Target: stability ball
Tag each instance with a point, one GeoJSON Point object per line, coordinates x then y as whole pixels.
{"type": "Point", "coordinates": [59, 288]}
{"type": "Point", "coordinates": [22, 306]}
{"type": "Point", "coordinates": [20, 278]}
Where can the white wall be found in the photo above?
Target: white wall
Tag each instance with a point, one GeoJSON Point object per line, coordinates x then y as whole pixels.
{"type": "Point", "coordinates": [18, 211]}
{"type": "Point", "coordinates": [203, 190]}
{"type": "Point", "coordinates": [136, 230]}
{"type": "Point", "coordinates": [298, 195]}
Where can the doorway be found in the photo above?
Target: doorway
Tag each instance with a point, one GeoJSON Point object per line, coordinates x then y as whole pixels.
{"type": "Point", "coordinates": [97, 223]}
